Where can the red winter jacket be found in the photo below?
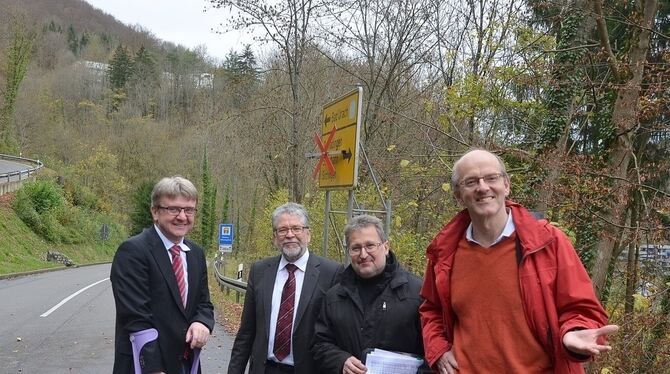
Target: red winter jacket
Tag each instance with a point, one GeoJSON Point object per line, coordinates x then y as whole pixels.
{"type": "Point", "coordinates": [556, 290]}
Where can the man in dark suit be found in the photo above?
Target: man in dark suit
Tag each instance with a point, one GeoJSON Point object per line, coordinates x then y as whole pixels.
{"type": "Point", "coordinates": [274, 338]}
{"type": "Point", "coordinates": [159, 280]}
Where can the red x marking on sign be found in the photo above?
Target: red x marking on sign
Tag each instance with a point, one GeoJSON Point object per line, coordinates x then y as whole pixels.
{"type": "Point", "coordinates": [324, 153]}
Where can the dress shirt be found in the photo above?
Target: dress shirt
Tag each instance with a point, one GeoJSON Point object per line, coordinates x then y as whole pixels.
{"type": "Point", "coordinates": [282, 277]}
{"type": "Point", "coordinates": [506, 233]}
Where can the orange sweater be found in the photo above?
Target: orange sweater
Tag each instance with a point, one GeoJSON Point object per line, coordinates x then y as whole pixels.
{"type": "Point", "coordinates": [491, 334]}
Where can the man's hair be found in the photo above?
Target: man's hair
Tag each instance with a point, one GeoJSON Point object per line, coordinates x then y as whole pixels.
{"type": "Point", "coordinates": [173, 187]}
{"type": "Point", "coordinates": [361, 222]}
{"type": "Point", "coordinates": [455, 176]}
{"type": "Point", "coordinates": [293, 209]}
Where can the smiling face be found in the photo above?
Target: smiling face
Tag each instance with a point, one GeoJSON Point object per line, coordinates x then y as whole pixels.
{"type": "Point", "coordinates": [483, 201]}
{"type": "Point", "coordinates": [173, 227]}
{"type": "Point", "coordinates": [291, 245]}
{"type": "Point", "coordinates": [365, 264]}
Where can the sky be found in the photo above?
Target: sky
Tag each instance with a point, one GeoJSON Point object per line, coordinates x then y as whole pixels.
{"type": "Point", "coordinates": [179, 21]}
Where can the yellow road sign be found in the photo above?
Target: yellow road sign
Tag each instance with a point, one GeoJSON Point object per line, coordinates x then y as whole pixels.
{"type": "Point", "coordinates": [343, 114]}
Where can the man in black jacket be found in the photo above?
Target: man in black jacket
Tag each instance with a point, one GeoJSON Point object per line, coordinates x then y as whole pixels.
{"type": "Point", "coordinates": [375, 305]}
{"type": "Point", "coordinates": [159, 281]}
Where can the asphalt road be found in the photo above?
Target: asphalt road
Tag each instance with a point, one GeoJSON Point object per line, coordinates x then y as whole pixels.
{"type": "Point", "coordinates": [7, 166]}
{"type": "Point", "coordinates": [39, 336]}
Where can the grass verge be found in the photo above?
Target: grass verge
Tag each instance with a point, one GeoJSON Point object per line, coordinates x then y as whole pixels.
{"type": "Point", "coordinates": [22, 250]}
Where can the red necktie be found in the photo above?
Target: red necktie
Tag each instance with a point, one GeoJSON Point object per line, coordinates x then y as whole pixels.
{"type": "Point", "coordinates": [284, 330]}
{"type": "Point", "coordinates": [178, 269]}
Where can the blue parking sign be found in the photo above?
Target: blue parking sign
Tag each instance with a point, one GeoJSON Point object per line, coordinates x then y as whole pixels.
{"type": "Point", "coordinates": [226, 235]}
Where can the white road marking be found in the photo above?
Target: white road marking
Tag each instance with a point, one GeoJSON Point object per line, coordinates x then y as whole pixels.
{"type": "Point", "coordinates": [65, 300]}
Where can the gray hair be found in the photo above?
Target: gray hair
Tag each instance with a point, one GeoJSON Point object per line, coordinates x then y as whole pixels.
{"type": "Point", "coordinates": [361, 222]}
{"type": "Point", "coordinates": [173, 187]}
{"type": "Point", "coordinates": [293, 209]}
{"type": "Point", "coordinates": [455, 177]}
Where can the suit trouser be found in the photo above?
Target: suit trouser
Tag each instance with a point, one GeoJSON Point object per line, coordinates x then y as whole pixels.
{"type": "Point", "coordinates": [185, 366]}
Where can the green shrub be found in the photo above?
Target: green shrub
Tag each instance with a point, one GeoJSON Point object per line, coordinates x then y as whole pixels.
{"type": "Point", "coordinates": [71, 224]}
{"type": "Point", "coordinates": [24, 208]}
{"type": "Point", "coordinates": [51, 229]}
{"type": "Point", "coordinates": [81, 196]}
{"type": "Point", "coordinates": [43, 195]}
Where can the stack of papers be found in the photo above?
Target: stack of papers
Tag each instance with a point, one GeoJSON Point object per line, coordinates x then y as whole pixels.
{"type": "Point", "coordinates": [379, 361]}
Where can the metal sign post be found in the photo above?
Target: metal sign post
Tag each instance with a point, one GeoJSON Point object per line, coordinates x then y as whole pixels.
{"type": "Point", "coordinates": [338, 148]}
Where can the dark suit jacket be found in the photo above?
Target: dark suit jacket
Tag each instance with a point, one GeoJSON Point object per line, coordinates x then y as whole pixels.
{"type": "Point", "coordinates": [147, 296]}
{"type": "Point", "coordinates": [251, 343]}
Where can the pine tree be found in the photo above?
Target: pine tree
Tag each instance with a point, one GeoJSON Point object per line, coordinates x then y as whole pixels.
{"type": "Point", "coordinates": [239, 232]}
{"type": "Point", "coordinates": [207, 215]}
{"type": "Point", "coordinates": [120, 68]}
{"type": "Point", "coordinates": [140, 216]}
{"type": "Point", "coordinates": [72, 40]}
{"type": "Point", "coordinates": [248, 62]}
{"type": "Point", "coordinates": [226, 205]}
{"type": "Point", "coordinates": [83, 42]}
{"type": "Point", "coordinates": [233, 63]}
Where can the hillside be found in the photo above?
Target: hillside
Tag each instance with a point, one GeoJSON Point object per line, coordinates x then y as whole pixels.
{"type": "Point", "coordinates": [23, 250]}
{"type": "Point", "coordinates": [79, 14]}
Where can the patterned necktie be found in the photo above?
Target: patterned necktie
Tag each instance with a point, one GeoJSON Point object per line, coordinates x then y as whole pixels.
{"type": "Point", "coordinates": [284, 330]}
{"type": "Point", "coordinates": [178, 269]}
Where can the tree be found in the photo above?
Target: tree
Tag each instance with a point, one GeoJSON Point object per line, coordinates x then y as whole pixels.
{"type": "Point", "coordinates": [72, 40]}
{"type": "Point", "coordinates": [287, 25]}
{"type": "Point", "coordinates": [627, 76]}
{"type": "Point", "coordinates": [18, 57]}
{"type": "Point", "coordinates": [208, 211]}
{"type": "Point", "coordinates": [391, 38]}
{"type": "Point", "coordinates": [144, 81]}
{"type": "Point", "coordinates": [119, 72]}
{"type": "Point", "coordinates": [225, 211]}
{"type": "Point", "coordinates": [140, 215]}
{"type": "Point", "coordinates": [120, 68]}
{"type": "Point", "coordinates": [248, 60]}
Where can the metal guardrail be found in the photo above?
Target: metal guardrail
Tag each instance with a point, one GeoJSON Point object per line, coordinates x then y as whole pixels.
{"type": "Point", "coordinates": [20, 173]}
{"type": "Point", "coordinates": [238, 286]}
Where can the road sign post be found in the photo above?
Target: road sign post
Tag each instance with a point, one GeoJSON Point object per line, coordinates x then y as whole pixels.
{"type": "Point", "coordinates": [338, 146]}
{"type": "Point", "coordinates": [226, 235]}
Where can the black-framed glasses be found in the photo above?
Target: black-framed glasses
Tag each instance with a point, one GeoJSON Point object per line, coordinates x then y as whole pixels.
{"type": "Point", "coordinates": [175, 210]}
{"type": "Point", "coordinates": [297, 230]}
{"type": "Point", "coordinates": [474, 181]}
{"type": "Point", "coordinates": [370, 248]}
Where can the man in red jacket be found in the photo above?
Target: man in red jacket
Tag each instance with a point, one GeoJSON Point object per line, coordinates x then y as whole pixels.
{"type": "Point", "coordinates": [504, 292]}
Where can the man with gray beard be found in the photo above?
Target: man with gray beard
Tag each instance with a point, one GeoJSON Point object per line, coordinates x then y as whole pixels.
{"type": "Point", "coordinates": [282, 301]}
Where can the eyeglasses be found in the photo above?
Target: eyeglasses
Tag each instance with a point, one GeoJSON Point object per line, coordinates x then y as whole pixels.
{"type": "Point", "coordinates": [175, 210]}
{"type": "Point", "coordinates": [474, 181]}
{"type": "Point", "coordinates": [370, 248]}
{"type": "Point", "coordinates": [297, 230]}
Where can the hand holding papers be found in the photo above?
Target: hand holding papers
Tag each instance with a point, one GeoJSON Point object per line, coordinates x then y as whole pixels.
{"type": "Point", "coordinates": [379, 361]}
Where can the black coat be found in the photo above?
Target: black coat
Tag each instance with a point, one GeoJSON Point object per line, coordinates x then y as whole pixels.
{"type": "Point", "coordinates": [147, 296]}
{"type": "Point", "coordinates": [346, 327]}
{"type": "Point", "coordinates": [251, 342]}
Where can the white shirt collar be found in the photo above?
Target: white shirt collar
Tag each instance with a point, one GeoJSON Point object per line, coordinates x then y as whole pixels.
{"type": "Point", "coordinates": [168, 244]}
{"type": "Point", "coordinates": [506, 233]}
{"type": "Point", "coordinates": [301, 263]}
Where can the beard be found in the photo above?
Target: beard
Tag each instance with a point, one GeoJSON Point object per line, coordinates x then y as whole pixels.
{"type": "Point", "coordinates": [292, 251]}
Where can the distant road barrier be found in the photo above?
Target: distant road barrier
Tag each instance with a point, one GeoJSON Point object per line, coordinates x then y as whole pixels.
{"type": "Point", "coordinates": [228, 284]}
{"type": "Point", "coordinates": [11, 181]}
